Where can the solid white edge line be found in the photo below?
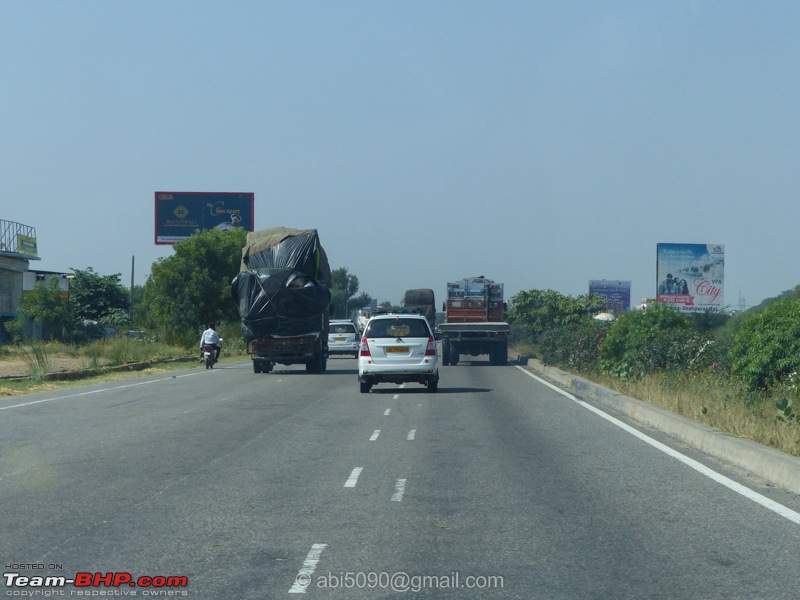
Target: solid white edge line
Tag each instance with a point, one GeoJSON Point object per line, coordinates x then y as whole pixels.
{"type": "Point", "coordinates": [108, 389]}
{"type": "Point", "coordinates": [745, 491]}
{"type": "Point", "coordinates": [303, 578]}
{"type": "Point", "coordinates": [353, 479]}
{"type": "Point", "coordinates": [399, 490]}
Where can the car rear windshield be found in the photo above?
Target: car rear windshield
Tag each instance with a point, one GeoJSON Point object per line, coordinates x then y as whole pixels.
{"type": "Point", "coordinates": [399, 327]}
{"type": "Point", "coordinates": [343, 328]}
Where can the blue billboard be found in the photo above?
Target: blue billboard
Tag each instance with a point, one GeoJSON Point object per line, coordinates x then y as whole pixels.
{"type": "Point", "coordinates": [616, 293]}
{"type": "Point", "coordinates": [179, 214]}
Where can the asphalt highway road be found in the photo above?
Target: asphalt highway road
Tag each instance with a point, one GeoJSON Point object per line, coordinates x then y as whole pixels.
{"type": "Point", "coordinates": [246, 486]}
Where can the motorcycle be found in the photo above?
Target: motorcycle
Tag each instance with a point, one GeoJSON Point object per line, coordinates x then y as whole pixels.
{"type": "Point", "coordinates": [209, 355]}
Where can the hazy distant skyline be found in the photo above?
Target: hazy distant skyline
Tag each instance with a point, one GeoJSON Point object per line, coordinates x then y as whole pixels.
{"type": "Point", "coordinates": [541, 144]}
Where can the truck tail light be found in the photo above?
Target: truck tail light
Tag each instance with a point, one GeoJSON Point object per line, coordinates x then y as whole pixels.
{"type": "Point", "coordinates": [364, 350]}
{"type": "Point", "coordinates": [431, 349]}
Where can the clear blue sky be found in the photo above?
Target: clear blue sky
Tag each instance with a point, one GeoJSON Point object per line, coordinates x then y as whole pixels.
{"type": "Point", "coordinates": [541, 144]}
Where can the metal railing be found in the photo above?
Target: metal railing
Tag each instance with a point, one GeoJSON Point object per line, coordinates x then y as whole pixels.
{"type": "Point", "coordinates": [9, 230]}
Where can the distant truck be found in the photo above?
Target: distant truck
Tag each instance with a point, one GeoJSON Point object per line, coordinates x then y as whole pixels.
{"type": "Point", "coordinates": [474, 321]}
{"type": "Point", "coordinates": [283, 295]}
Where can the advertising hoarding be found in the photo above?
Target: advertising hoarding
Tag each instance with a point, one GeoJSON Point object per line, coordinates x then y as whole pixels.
{"type": "Point", "coordinates": [26, 245]}
{"type": "Point", "coordinates": [616, 293]}
{"type": "Point", "coordinates": [179, 214]}
{"type": "Point", "coordinates": [690, 277]}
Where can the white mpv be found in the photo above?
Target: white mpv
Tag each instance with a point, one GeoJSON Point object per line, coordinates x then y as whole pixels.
{"type": "Point", "coordinates": [396, 348]}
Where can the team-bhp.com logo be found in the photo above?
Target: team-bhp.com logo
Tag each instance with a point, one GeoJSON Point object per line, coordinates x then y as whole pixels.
{"type": "Point", "coordinates": [94, 580]}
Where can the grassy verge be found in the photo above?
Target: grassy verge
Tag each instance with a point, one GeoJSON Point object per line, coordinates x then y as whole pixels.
{"type": "Point", "coordinates": [713, 401]}
{"type": "Point", "coordinates": [92, 361]}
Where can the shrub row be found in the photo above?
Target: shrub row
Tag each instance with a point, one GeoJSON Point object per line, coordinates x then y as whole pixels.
{"type": "Point", "coordinates": [759, 350]}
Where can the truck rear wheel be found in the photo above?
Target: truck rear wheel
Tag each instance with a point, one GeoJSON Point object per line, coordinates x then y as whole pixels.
{"type": "Point", "coordinates": [445, 353]}
{"type": "Point", "coordinates": [317, 364]}
{"type": "Point", "coordinates": [502, 355]}
{"type": "Point", "coordinates": [453, 354]}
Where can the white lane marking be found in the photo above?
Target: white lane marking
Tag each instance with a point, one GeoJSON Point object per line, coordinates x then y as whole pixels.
{"type": "Point", "coordinates": [375, 435]}
{"type": "Point", "coordinates": [399, 489]}
{"type": "Point", "coordinates": [351, 481]}
{"type": "Point", "coordinates": [412, 434]}
{"type": "Point", "coordinates": [386, 414]}
{"type": "Point", "coordinates": [100, 391]}
{"type": "Point", "coordinates": [779, 509]}
{"type": "Point", "coordinates": [395, 397]}
{"type": "Point", "coordinates": [303, 578]}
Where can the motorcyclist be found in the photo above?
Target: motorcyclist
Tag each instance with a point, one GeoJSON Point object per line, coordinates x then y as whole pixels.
{"type": "Point", "coordinates": [210, 337]}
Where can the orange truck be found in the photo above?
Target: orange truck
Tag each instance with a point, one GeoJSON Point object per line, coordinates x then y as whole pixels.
{"type": "Point", "coordinates": [474, 321]}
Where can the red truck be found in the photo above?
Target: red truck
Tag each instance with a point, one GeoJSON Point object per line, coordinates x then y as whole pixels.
{"type": "Point", "coordinates": [474, 321]}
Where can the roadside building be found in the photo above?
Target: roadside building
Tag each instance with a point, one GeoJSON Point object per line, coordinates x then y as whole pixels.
{"type": "Point", "coordinates": [17, 250]}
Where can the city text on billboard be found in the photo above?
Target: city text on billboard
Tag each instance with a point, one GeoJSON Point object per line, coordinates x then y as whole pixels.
{"type": "Point", "coordinates": [690, 277]}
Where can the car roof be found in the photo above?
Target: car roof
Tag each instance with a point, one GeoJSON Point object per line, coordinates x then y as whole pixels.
{"type": "Point", "coordinates": [397, 312]}
{"type": "Point", "coordinates": [398, 315]}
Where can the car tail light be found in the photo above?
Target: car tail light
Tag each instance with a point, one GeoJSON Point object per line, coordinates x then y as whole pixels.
{"type": "Point", "coordinates": [364, 347]}
{"type": "Point", "coordinates": [431, 349]}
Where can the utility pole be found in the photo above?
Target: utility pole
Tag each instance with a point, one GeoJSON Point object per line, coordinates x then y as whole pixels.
{"type": "Point", "coordinates": [133, 260]}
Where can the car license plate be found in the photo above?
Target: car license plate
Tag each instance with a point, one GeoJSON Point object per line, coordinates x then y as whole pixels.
{"type": "Point", "coordinates": [396, 349]}
{"type": "Point", "coordinates": [340, 339]}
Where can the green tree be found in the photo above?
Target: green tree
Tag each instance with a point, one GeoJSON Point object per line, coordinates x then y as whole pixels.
{"type": "Point", "coordinates": [535, 311]}
{"type": "Point", "coordinates": [139, 313]}
{"type": "Point", "coordinates": [708, 321]}
{"type": "Point", "coordinates": [344, 287]}
{"type": "Point", "coordinates": [97, 297]}
{"type": "Point", "coordinates": [193, 286]}
{"type": "Point", "coordinates": [46, 308]}
{"type": "Point", "coordinates": [766, 347]}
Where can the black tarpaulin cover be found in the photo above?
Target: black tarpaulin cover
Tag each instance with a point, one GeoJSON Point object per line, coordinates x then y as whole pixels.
{"type": "Point", "coordinates": [283, 287]}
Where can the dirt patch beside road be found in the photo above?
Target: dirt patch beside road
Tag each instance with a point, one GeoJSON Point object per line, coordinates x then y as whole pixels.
{"type": "Point", "coordinates": [18, 367]}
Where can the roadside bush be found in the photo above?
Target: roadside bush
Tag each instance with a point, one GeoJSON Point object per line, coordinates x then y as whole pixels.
{"type": "Point", "coordinates": [766, 347]}
{"type": "Point", "coordinates": [574, 346]}
{"type": "Point", "coordinates": [656, 339]}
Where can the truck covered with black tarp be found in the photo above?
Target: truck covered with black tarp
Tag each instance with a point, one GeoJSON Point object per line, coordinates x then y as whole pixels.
{"type": "Point", "coordinates": [283, 295]}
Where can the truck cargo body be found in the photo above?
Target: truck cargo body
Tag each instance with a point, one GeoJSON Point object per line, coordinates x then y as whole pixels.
{"type": "Point", "coordinates": [283, 296]}
{"type": "Point", "coordinates": [423, 300]}
{"type": "Point", "coordinates": [474, 321]}
{"type": "Point", "coordinates": [309, 349]}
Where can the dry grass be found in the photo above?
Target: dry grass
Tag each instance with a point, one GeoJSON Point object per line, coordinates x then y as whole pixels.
{"type": "Point", "coordinates": [715, 402]}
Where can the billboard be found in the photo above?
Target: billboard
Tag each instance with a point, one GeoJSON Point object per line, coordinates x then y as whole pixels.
{"type": "Point", "coordinates": [180, 214]}
{"type": "Point", "coordinates": [26, 245]}
{"type": "Point", "coordinates": [691, 276]}
{"type": "Point", "coordinates": [616, 293]}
